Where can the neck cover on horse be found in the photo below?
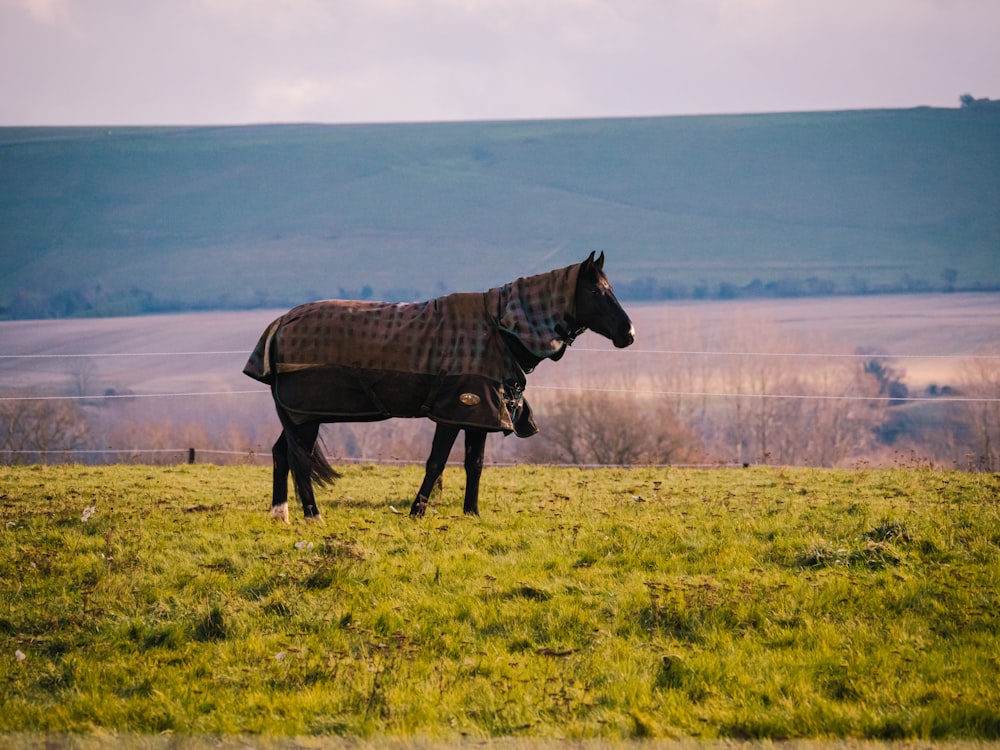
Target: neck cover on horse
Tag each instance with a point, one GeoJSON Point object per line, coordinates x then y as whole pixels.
{"type": "Point", "coordinates": [445, 358]}
{"type": "Point", "coordinates": [539, 310]}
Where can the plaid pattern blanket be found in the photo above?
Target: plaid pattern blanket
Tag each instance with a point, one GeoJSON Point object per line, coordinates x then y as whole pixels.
{"type": "Point", "coordinates": [445, 358]}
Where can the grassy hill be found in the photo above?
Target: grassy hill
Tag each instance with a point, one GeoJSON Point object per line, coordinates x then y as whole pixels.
{"type": "Point", "coordinates": [126, 220]}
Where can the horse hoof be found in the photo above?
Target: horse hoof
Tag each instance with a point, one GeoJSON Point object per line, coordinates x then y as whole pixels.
{"type": "Point", "coordinates": [316, 519]}
{"type": "Point", "coordinates": [418, 510]}
{"type": "Point", "coordinates": [280, 513]}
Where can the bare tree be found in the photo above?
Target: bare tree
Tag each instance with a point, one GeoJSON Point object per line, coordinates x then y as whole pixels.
{"type": "Point", "coordinates": [790, 405]}
{"type": "Point", "coordinates": [754, 375]}
{"type": "Point", "coordinates": [980, 379]}
{"type": "Point", "coordinates": [83, 374]}
{"type": "Point", "coordinates": [30, 426]}
{"type": "Point", "coordinates": [610, 429]}
{"type": "Point", "coordinates": [841, 418]}
{"type": "Point", "coordinates": [684, 374]}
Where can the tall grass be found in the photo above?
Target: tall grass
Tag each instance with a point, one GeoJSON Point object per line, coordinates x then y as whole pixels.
{"type": "Point", "coordinates": [759, 603]}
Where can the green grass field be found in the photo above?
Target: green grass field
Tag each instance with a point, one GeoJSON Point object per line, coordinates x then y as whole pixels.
{"type": "Point", "coordinates": [609, 604]}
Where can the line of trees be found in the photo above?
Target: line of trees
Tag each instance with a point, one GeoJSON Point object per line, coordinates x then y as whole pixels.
{"type": "Point", "coordinates": [968, 101]}
{"type": "Point", "coordinates": [96, 301]}
{"type": "Point", "coordinates": [653, 289]}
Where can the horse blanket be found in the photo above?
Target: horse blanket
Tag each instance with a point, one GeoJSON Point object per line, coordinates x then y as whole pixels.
{"type": "Point", "coordinates": [447, 359]}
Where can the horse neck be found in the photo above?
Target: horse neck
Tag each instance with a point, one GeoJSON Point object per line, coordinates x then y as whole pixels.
{"type": "Point", "coordinates": [525, 359]}
{"type": "Point", "coordinates": [534, 311]}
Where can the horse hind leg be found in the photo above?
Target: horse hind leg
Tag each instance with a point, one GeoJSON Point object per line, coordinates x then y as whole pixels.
{"type": "Point", "coordinates": [301, 455]}
{"type": "Point", "coordinates": [305, 462]}
{"type": "Point", "coordinates": [279, 493]}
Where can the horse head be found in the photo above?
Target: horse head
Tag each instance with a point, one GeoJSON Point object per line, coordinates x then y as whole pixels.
{"type": "Point", "coordinates": [597, 308]}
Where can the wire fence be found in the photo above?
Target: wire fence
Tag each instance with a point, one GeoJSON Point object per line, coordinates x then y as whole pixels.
{"type": "Point", "coordinates": [585, 389]}
{"type": "Point", "coordinates": [191, 456]}
{"type": "Point", "coordinates": [250, 456]}
{"type": "Point", "coordinates": [616, 352]}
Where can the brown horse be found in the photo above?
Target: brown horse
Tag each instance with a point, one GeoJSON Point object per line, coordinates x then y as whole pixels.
{"type": "Point", "coordinates": [459, 360]}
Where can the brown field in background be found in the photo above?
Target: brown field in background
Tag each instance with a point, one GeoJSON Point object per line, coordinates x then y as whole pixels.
{"type": "Point", "coordinates": [933, 328]}
{"type": "Point", "coordinates": [201, 355]}
{"type": "Point", "coordinates": [929, 326]}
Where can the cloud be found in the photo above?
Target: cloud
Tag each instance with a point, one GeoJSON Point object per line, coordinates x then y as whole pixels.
{"type": "Point", "coordinates": [225, 61]}
{"type": "Point", "coordinates": [42, 11]}
{"type": "Point", "coordinates": [298, 99]}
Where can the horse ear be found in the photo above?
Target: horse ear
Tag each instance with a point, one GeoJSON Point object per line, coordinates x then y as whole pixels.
{"type": "Point", "coordinates": [600, 261]}
{"type": "Point", "coordinates": [588, 264]}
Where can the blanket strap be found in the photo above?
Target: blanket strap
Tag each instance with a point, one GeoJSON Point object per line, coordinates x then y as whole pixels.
{"type": "Point", "coordinates": [370, 393]}
{"type": "Point", "coordinates": [432, 393]}
{"type": "Point", "coordinates": [568, 332]}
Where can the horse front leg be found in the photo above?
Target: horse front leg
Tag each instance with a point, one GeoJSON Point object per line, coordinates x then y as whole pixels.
{"type": "Point", "coordinates": [444, 439]}
{"type": "Point", "coordinates": [301, 444]}
{"type": "Point", "coordinates": [475, 449]}
{"type": "Point", "coordinates": [279, 490]}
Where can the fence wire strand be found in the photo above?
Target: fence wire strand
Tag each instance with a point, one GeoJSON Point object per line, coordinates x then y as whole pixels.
{"type": "Point", "coordinates": [629, 350]}
{"type": "Point", "coordinates": [570, 389]}
{"type": "Point", "coordinates": [625, 391]}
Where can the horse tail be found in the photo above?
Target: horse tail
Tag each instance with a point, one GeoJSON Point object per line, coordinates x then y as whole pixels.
{"type": "Point", "coordinates": [306, 465]}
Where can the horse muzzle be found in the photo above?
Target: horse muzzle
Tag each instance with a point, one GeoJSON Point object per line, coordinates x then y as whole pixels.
{"type": "Point", "coordinates": [625, 338]}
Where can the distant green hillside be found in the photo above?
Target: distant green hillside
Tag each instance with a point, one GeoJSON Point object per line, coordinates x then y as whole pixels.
{"type": "Point", "coordinates": [98, 221]}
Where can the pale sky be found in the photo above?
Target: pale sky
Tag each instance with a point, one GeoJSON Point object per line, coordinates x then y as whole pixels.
{"type": "Point", "coordinates": [193, 62]}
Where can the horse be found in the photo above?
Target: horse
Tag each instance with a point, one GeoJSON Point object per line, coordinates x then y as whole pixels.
{"type": "Point", "coordinates": [459, 360]}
